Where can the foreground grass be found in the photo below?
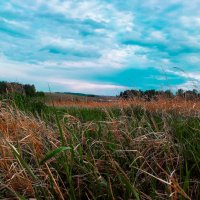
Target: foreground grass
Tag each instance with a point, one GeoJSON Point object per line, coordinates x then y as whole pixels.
{"type": "Point", "coordinates": [98, 154]}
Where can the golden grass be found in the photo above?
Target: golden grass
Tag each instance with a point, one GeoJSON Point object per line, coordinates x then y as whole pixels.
{"type": "Point", "coordinates": [27, 133]}
{"type": "Point", "coordinates": [178, 105]}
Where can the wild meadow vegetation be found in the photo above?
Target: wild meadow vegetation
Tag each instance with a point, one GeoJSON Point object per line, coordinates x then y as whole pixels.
{"type": "Point", "coordinates": [134, 151]}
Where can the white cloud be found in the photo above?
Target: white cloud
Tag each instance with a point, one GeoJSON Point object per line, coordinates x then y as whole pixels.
{"type": "Point", "coordinates": [58, 41]}
{"type": "Point", "coordinates": [11, 69]}
{"type": "Point", "coordinates": [193, 59]}
{"type": "Point", "coordinates": [67, 43]}
{"type": "Point", "coordinates": [190, 21]}
{"type": "Point", "coordinates": [101, 63]}
{"type": "Point", "coordinates": [15, 23]}
{"type": "Point", "coordinates": [157, 35]}
{"type": "Point", "coordinates": [95, 10]}
{"type": "Point", "coordinates": [88, 87]}
{"type": "Point", "coordinates": [116, 58]}
{"type": "Point", "coordinates": [189, 85]}
{"type": "Point", "coordinates": [190, 76]}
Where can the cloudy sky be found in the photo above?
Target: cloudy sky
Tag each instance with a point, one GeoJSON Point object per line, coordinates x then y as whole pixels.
{"type": "Point", "coordinates": [100, 46]}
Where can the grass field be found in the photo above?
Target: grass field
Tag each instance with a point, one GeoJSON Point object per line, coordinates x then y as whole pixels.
{"type": "Point", "coordinates": [110, 150]}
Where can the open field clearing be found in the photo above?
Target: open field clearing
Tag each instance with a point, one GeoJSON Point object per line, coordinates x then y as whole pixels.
{"type": "Point", "coordinates": [126, 152]}
{"type": "Point", "coordinates": [181, 106]}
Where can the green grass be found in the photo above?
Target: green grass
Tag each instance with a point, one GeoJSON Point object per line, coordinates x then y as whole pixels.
{"type": "Point", "coordinates": [95, 153]}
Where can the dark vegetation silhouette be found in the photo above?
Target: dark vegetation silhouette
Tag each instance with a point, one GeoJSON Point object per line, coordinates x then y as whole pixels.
{"type": "Point", "coordinates": [24, 96]}
{"type": "Point", "coordinates": [18, 88]}
{"type": "Point", "coordinates": [29, 90]}
{"type": "Point", "coordinates": [150, 95]}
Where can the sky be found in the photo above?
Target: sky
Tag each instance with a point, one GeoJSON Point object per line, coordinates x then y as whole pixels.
{"type": "Point", "coordinates": [100, 46]}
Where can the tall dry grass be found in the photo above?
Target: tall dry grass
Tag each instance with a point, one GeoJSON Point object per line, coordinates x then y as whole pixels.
{"type": "Point", "coordinates": [124, 158]}
{"type": "Point", "coordinates": [179, 105]}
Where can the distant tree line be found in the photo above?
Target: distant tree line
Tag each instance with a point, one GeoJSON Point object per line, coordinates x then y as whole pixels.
{"type": "Point", "coordinates": [150, 95]}
{"type": "Point", "coordinates": [23, 89]}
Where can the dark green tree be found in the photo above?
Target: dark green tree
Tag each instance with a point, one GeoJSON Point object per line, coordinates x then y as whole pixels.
{"type": "Point", "coordinates": [29, 90]}
{"type": "Point", "coordinates": [180, 93]}
{"type": "Point", "coordinates": [3, 87]}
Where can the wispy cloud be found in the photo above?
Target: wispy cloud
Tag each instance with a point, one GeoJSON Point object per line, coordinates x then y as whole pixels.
{"type": "Point", "coordinates": [88, 87]}
{"type": "Point", "coordinates": [89, 41]}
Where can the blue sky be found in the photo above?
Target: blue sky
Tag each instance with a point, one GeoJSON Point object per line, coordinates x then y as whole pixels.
{"type": "Point", "coordinates": [100, 46]}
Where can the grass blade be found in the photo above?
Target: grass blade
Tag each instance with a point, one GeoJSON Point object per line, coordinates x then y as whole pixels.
{"type": "Point", "coordinates": [53, 153]}
{"type": "Point", "coordinates": [22, 161]}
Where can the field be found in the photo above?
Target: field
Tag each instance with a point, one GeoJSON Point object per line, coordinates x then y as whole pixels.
{"type": "Point", "coordinates": [99, 148]}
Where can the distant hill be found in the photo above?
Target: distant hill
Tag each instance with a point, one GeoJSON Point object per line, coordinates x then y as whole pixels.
{"type": "Point", "coordinates": [78, 94]}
